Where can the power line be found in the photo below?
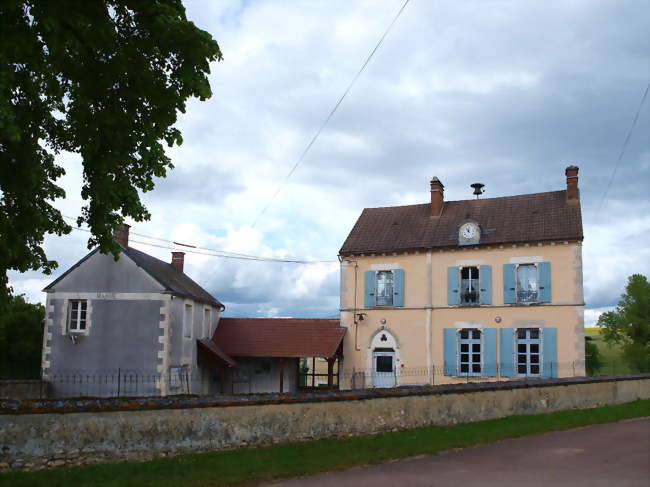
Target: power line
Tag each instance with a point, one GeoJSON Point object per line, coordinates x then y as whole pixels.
{"type": "Point", "coordinates": [329, 116]}
{"type": "Point", "coordinates": [627, 139]}
{"type": "Point", "coordinates": [211, 252]}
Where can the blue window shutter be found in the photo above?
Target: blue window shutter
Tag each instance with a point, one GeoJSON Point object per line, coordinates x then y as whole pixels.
{"type": "Point", "coordinates": [544, 282]}
{"type": "Point", "coordinates": [398, 287]}
{"type": "Point", "coordinates": [549, 339]}
{"type": "Point", "coordinates": [490, 352]}
{"type": "Point", "coordinates": [485, 283]}
{"type": "Point", "coordinates": [451, 352]}
{"type": "Point", "coordinates": [509, 292]}
{"type": "Point", "coordinates": [506, 343]}
{"type": "Point", "coordinates": [369, 286]}
{"type": "Point", "coordinates": [453, 286]}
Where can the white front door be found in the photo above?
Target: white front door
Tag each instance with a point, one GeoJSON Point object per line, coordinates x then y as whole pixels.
{"type": "Point", "coordinates": [383, 368]}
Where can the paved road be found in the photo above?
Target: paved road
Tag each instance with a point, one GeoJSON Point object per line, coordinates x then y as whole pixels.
{"type": "Point", "coordinates": [608, 455]}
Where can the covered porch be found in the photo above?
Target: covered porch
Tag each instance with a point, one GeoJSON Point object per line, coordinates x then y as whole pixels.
{"type": "Point", "coordinates": [256, 355]}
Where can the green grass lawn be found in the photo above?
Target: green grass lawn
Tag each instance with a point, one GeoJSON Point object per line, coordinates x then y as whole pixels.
{"type": "Point", "coordinates": [611, 356]}
{"type": "Point", "coordinates": [295, 459]}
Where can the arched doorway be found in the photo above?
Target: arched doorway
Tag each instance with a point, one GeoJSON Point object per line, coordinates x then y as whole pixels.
{"type": "Point", "coordinates": [383, 351]}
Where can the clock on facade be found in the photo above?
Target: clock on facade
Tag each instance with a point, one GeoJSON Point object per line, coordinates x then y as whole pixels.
{"type": "Point", "coordinates": [469, 232]}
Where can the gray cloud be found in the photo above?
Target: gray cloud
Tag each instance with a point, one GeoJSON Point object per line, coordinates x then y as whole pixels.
{"type": "Point", "coordinates": [503, 92]}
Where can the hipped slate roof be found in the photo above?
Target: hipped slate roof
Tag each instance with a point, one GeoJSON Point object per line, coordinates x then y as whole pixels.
{"type": "Point", "coordinates": [171, 279]}
{"type": "Point", "coordinates": [164, 273]}
{"type": "Point", "coordinates": [278, 337]}
{"type": "Point", "coordinates": [511, 219]}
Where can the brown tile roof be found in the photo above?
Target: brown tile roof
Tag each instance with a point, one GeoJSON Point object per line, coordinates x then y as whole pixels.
{"type": "Point", "coordinates": [210, 347]}
{"type": "Point", "coordinates": [511, 219]}
{"type": "Point", "coordinates": [278, 337]}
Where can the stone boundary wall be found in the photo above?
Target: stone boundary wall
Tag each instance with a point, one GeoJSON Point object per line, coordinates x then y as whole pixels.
{"type": "Point", "coordinates": [23, 389]}
{"type": "Point", "coordinates": [33, 435]}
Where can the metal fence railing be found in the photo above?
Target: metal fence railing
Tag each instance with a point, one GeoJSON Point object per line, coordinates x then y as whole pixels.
{"type": "Point", "coordinates": [139, 383]}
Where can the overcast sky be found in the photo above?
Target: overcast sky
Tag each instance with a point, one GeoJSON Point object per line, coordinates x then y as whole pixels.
{"type": "Point", "coordinates": [507, 93]}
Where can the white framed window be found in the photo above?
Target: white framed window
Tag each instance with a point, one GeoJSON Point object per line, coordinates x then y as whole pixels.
{"type": "Point", "coordinates": [469, 285]}
{"type": "Point", "coordinates": [384, 288]}
{"type": "Point", "coordinates": [77, 316]}
{"type": "Point", "coordinates": [207, 317]}
{"type": "Point", "coordinates": [528, 343]}
{"type": "Point", "coordinates": [527, 281]}
{"type": "Point", "coordinates": [470, 358]}
{"type": "Point", "coordinates": [188, 320]}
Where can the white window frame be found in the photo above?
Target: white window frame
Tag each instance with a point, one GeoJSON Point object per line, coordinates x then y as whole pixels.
{"type": "Point", "coordinates": [207, 324]}
{"type": "Point", "coordinates": [478, 285]}
{"type": "Point", "coordinates": [470, 342]}
{"type": "Point", "coordinates": [392, 297]}
{"type": "Point", "coordinates": [77, 329]}
{"type": "Point", "coordinates": [534, 264]}
{"type": "Point", "coordinates": [527, 341]}
{"type": "Point", "coordinates": [188, 328]}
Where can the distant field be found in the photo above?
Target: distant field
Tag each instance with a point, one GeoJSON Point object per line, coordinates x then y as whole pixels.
{"type": "Point", "coordinates": [611, 356]}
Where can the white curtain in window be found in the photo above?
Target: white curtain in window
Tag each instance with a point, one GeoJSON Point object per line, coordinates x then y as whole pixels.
{"type": "Point", "coordinates": [527, 282]}
{"type": "Point", "coordinates": [384, 288]}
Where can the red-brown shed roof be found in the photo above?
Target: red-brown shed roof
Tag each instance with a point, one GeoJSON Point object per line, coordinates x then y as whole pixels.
{"type": "Point", "coordinates": [278, 337]}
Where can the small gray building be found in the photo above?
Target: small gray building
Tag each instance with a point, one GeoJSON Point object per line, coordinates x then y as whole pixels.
{"type": "Point", "coordinates": [126, 327]}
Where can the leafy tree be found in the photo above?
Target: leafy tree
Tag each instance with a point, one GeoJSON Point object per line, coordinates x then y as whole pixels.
{"type": "Point", "coordinates": [629, 323]}
{"type": "Point", "coordinates": [21, 339]}
{"type": "Point", "coordinates": [101, 78]}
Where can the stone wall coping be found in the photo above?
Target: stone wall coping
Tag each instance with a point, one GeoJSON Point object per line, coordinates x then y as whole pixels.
{"type": "Point", "coordinates": [81, 405]}
{"type": "Point", "coordinates": [21, 381]}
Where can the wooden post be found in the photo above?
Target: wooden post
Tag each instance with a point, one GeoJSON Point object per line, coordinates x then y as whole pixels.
{"type": "Point", "coordinates": [330, 372]}
{"type": "Point", "coordinates": [313, 371]}
{"type": "Point", "coordinates": [281, 361]}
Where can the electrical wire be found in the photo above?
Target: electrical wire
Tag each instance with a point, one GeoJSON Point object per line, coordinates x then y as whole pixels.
{"type": "Point", "coordinates": [192, 249]}
{"type": "Point", "coordinates": [330, 115]}
{"type": "Point", "coordinates": [627, 139]}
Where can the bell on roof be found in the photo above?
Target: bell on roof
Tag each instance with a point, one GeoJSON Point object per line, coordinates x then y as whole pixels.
{"type": "Point", "coordinates": [478, 189]}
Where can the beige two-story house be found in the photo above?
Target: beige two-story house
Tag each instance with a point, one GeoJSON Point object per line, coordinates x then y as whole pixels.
{"type": "Point", "coordinates": [478, 289]}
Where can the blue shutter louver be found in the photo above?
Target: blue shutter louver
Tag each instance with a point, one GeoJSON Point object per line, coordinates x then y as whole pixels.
{"type": "Point", "coordinates": [398, 287]}
{"type": "Point", "coordinates": [509, 284]}
{"type": "Point", "coordinates": [453, 286]}
{"type": "Point", "coordinates": [506, 344]}
{"type": "Point", "coordinates": [451, 352]}
{"type": "Point", "coordinates": [549, 339]}
{"type": "Point", "coordinates": [485, 284]}
{"type": "Point", "coordinates": [490, 352]}
{"type": "Point", "coordinates": [369, 289]}
{"type": "Point", "coordinates": [544, 282]}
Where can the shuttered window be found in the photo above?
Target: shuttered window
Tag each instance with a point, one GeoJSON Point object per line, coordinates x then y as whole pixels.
{"type": "Point", "coordinates": [384, 288]}
{"type": "Point", "coordinates": [469, 285]}
{"type": "Point", "coordinates": [527, 283]}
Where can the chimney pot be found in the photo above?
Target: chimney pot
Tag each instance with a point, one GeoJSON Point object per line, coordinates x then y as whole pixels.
{"type": "Point", "coordinates": [178, 260]}
{"type": "Point", "coordinates": [121, 235]}
{"type": "Point", "coordinates": [437, 197]}
{"type": "Point", "coordinates": [572, 192]}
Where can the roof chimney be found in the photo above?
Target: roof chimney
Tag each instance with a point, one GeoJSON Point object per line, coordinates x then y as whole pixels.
{"type": "Point", "coordinates": [121, 235]}
{"type": "Point", "coordinates": [572, 192]}
{"type": "Point", "coordinates": [437, 197]}
{"type": "Point", "coordinates": [178, 259]}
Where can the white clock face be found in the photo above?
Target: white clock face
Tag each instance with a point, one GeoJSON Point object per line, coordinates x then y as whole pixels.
{"type": "Point", "coordinates": [468, 231]}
